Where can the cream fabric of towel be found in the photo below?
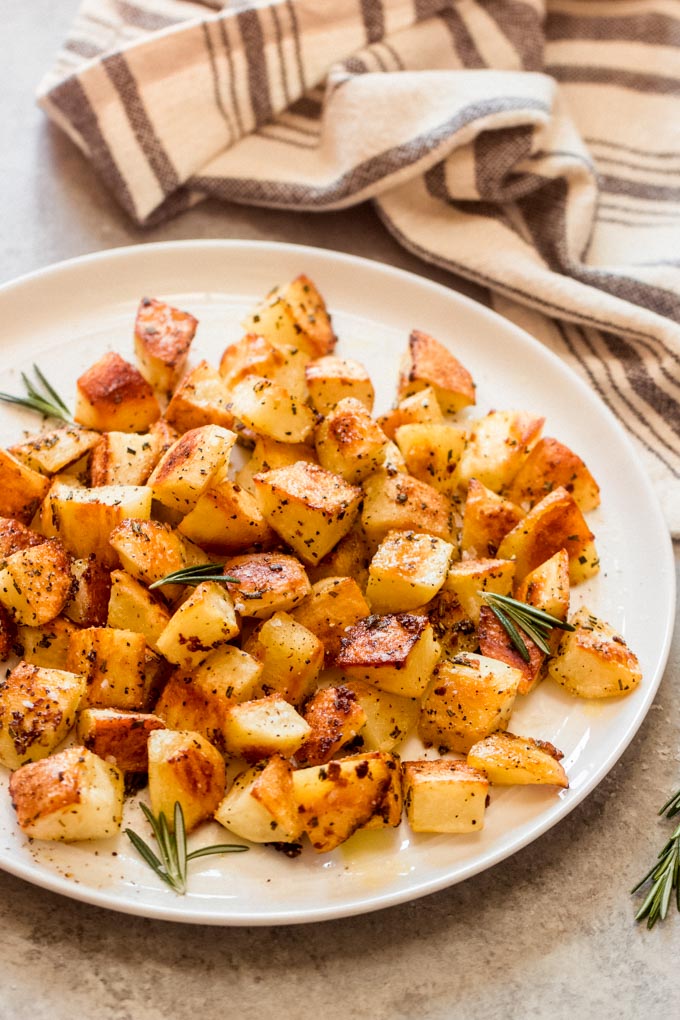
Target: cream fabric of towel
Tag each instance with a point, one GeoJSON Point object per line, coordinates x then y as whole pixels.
{"type": "Point", "coordinates": [531, 146]}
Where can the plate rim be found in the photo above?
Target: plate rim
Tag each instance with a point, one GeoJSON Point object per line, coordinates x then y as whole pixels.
{"type": "Point", "coordinates": [535, 827]}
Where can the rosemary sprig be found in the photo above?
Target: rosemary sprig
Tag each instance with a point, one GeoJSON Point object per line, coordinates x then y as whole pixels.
{"type": "Point", "coordinates": [172, 865]}
{"type": "Point", "coordinates": [45, 400]}
{"type": "Point", "coordinates": [515, 616]}
{"type": "Point", "coordinates": [664, 874]}
{"type": "Point", "coordinates": [196, 575]}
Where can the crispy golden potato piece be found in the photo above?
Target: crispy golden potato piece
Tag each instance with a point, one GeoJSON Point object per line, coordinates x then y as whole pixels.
{"type": "Point", "coordinates": [309, 507]}
{"type": "Point", "coordinates": [184, 768]}
{"type": "Point", "coordinates": [431, 451]}
{"type": "Point", "coordinates": [163, 337]}
{"type": "Point", "coordinates": [294, 314]}
{"type": "Point", "coordinates": [47, 645]}
{"type": "Point", "coordinates": [334, 604]}
{"type": "Point", "coordinates": [22, 489]}
{"type": "Point", "coordinates": [291, 657]}
{"type": "Point", "coordinates": [37, 709]}
{"type": "Point", "coordinates": [200, 399]}
{"type": "Point", "coordinates": [407, 570]}
{"type": "Point", "coordinates": [84, 518]}
{"type": "Point", "coordinates": [118, 737]}
{"type": "Point", "coordinates": [113, 395]}
{"type": "Point", "coordinates": [270, 409]}
{"type": "Point", "coordinates": [335, 716]}
{"type": "Point", "coordinates": [36, 583]}
{"type": "Point", "coordinates": [427, 362]}
{"type": "Point", "coordinates": [88, 604]}
{"type": "Point", "coordinates": [487, 518]}
{"type": "Point", "coordinates": [15, 536]}
{"type": "Point", "coordinates": [396, 652]}
{"type": "Point", "coordinates": [444, 796]}
{"type": "Point", "coordinates": [468, 697]}
{"type": "Point", "coordinates": [349, 558]}
{"type": "Point", "coordinates": [254, 355]}
{"type": "Point", "coordinates": [467, 578]}
{"type": "Point", "coordinates": [69, 796]}
{"type": "Point", "coordinates": [227, 519]}
{"type": "Point", "coordinates": [52, 451]}
{"type": "Point", "coordinates": [127, 458]}
{"type": "Point", "coordinates": [260, 806]}
{"type": "Point", "coordinates": [269, 453]}
{"type": "Point", "coordinates": [509, 760]}
{"type": "Point", "coordinates": [330, 379]}
{"type": "Point", "coordinates": [198, 458]}
{"type": "Point", "coordinates": [497, 446]}
{"type": "Point", "coordinates": [594, 661]}
{"type": "Point", "coordinates": [258, 729]}
{"type": "Point", "coordinates": [118, 669]}
{"type": "Point", "coordinates": [402, 503]}
{"type": "Point", "coordinates": [267, 582]}
{"type": "Point", "coordinates": [389, 717]}
{"type": "Point", "coordinates": [205, 620]}
{"type": "Point", "coordinates": [419, 407]}
{"type": "Point", "coordinates": [349, 442]}
{"type": "Point", "coordinates": [132, 607]}
{"type": "Point", "coordinates": [149, 551]}
{"type": "Point", "coordinates": [549, 465]}
{"type": "Point", "coordinates": [554, 523]}
{"type": "Point", "coordinates": [336, 799]}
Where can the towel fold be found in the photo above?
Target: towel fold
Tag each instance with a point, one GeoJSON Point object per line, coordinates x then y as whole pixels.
{"type": "Point", "coordinates": [531, 146]}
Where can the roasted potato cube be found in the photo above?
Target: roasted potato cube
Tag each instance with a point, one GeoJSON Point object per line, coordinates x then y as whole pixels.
{"type": "Point", "coordinates": [52, 451]}
{"type": "Point", "coordinates": [509, 760]}
{"type": "Point", "coordinates": [200, 700]}
{"type": "Point", "coordinates": [125, 458]}
{"type": "Point", "coordinates": [37, 709]}
{"type": "Point", "coordinates": [163, 336]}
{"type": "Point", "coordinates": [554, 523]}
{"type": "Point", "coordinates": [198, 458]}
{"type": "Point", "coordinates": [22, 490]}
{"type": "Point", "coordinates": [427, 362]}
{"type": "Point", "coordinates": [407, 570]}
{"type": "Point", "coordinates": [36, 583]}
{"type": "Point", "coordinates": [497, 446]}
{"type": "Point", "coordinates": [349, 558]}
{"type": "Point", "coordinates": [269, 453]}
{"type": "Point", "coordinates": [294, 314]}
{"type": "Point", "coordinates": [8, 634]}
{"type": "Point", "coordinates": [349, 442]}
{"type": "Point", "coordinates": [204, 620]}
{"type": "Point", "coordinates": [272, 410]}
{"type": "Point", "coordinates": [132, 607]}
{"type": "Point", "coordinates": [227, 519]}
{"type": "Point", "coordinates": [389, 717]}
{"type": "Point", "coordinates": [149, 551]}
{"type": "Point", "coordinates": [291, 656]}
{"type": "Point", "coordinates": [260, 806]}
{"type": "Point", "coordinates": [70, 796]}
{"type": "Point", "coordinates": [594, 661]}
{"type": "Point", "coordinates": [453, 629]}
{"type": "Point", "coordinates": [331, 379]}
{"type": "Point", "coordinates": [200, 399]}
{"type": "Point", "coordinates": [402, 503]}
{"type": "Point", "coordinates": [335, 716]}
{"type": "Point", "coordinates": [487, 518]}
{"type": "Point", "coordinates": [15, 536]}
{"type": "Point", "coordinates": [397, 653]}
{"type": "Point", "coordinates": [118, 737]}
{"type": "Point", "coordinates": [184, 768]}
{"type": "Point", "coordinates": [549, 465]}
{"type": "Point", "coordinates": [113, 395]}
{"type": "Point", "coordinates": [468, 697]}
{"type": "Point", "coordinates": [254, 355]}
{"type": "Point", "coordinates": [267, 582]}
{"type": "Point", "coordinates": [309, 507]}
{"type": "Point", "coordinates": [116, 667]}
{"type": "Point", "coordinates": [431, 452]}
{"type": "Point", "coordinates": [419, 407]}
{"type": "Point", "coordinates": [467, 578]}
{"type": "Point", "coordinates": [495, 643]}
{"type": "Point", "coordinates": [89, 599]}
{"type": "Point", "coordinates": [334, 604]}
{"type": "Point", "coordinates": [84, 518]}
{"type": "Point", "coordinates": [336, 799]}
{"type": "Point", "coordinates": [258, 729]}
{"type": "Point", "coordinates": [47, 645]}
{"type": "Point", "coordinates": [444, 796]}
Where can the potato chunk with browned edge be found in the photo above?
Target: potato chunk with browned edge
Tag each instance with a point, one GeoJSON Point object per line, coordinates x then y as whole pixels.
{"type": "Point", "coordinates": [594, 661]}
{"type": "Point", "coordinates": [260, 806]}
{"type": "Point", "coordinates": [509, 760]}
{"type": "Point", "coordinates": [429, 363]}
{"type": "Point", "coordinates": [113, 395]}
{"type": "Point", "coordinates": [163, 336]}
{"type": "Point", "coordinates": [184, 768]}
{"type": "Point", "coordinates": [37, 709]}
{"type": "Point", "coordinates": [444, 796]}
{"type": "Point", "coordinates": [396, 652]}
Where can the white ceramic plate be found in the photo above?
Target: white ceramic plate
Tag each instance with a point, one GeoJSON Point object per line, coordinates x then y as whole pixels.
{"type": "Point", "coordinates": [66, 316]}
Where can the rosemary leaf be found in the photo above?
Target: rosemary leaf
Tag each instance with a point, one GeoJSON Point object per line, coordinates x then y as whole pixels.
{"type": "Point", "coordinates": [196, 575]}
{"type": "Point", "coordinates": [663, 875]}
{"type": "Point", "coordinates": [511, 631]}
{"type": "Point", "coordinates": [48, 402]}
{"type": "Point", "coordinates": [515, 616]}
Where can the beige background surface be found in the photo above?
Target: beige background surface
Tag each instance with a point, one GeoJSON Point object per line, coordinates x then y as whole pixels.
{"type": "Point", "coordinates": [548, 933]}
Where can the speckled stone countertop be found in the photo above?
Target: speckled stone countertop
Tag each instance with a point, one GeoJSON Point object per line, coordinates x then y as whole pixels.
{"type": "Point", "coordinates": [547, 933]}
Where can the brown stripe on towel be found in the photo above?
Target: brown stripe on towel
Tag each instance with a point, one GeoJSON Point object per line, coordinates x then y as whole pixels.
{"type": "Point", "coordinates": [462, 39]}
{"type": "Point", "coordinates": [652, 27]}
{"type": "Point", "coordinates": [235, 105]}
{"type": "Point", "coordinates": [123, 81]}
{"type": "Point", "coordinates": [639, 81]}
{"type": "Point", "coordinates": [373, 17]}
{"type": "Point", "coordinates": [142, 17]}
{"type": "Point", "coordinates": [279, 49]}
{"type": "Point", "coordinates": [258, 80]}
{"type": "Point", "coordinates": [521, 24]}
{"type": "Point", "coordinates": [217, 89]}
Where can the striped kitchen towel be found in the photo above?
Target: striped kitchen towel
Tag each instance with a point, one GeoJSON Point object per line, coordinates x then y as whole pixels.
{"type": "Point", "coordinates": [530, 145]}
